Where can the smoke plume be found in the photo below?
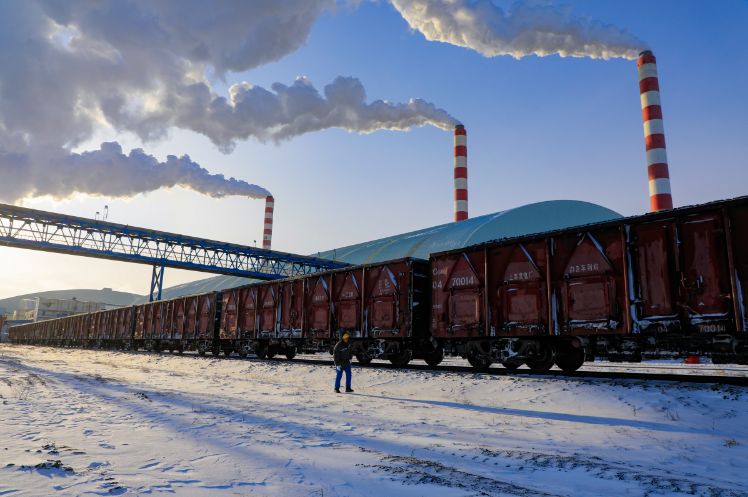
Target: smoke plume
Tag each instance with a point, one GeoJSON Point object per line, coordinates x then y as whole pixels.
{"type": "Point", "coordinates": [143, 66]}
{"type": "Point", "coordinates": [526, 28]}
{"type": "Point", "coordinates": [110, 173]}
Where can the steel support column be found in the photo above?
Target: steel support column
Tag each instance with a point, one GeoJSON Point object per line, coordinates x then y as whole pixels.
{"type": "Point", "coordinates": [157, 278]}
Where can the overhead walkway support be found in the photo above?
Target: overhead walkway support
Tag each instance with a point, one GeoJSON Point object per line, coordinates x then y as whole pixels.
{"type": "Point", "coordinates": [33, 229]}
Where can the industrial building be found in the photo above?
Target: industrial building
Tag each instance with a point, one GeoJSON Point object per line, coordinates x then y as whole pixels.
{"type": "Point", "coordinates": [42, 309]}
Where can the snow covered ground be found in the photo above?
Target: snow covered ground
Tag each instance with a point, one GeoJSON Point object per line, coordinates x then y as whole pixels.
{"type": "Point", "coordinates": [77, 422]}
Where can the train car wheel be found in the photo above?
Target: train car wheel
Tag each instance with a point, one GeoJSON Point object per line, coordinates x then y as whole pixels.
{"type": "Point", "coordinates": [479, 362]}
{"type": "Point", "coordinates": [261, 351]}
{"type": "Point", "coordinates": [545, 357]}
{"type": "Point", "coordinates": [436, 357]}
{"type": "Point", "coordinates": [363, 358]}
{"type": "Point", "coordinates": [215, 351]}
{"type": "Point", "coordinates": [401, 359]}
{"type": "Point", "coordinates": [290, 352]}
{"type": "Point", "coordinates": [201, 351]}
{"type": "Point", "coordinates": [272, 351]}
{"type": "Point", "coordinates": [571, 359]}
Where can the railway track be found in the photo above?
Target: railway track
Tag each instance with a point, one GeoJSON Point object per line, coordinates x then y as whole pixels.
{"type": "Point", "coordinates": [603, 375]}
{"type": "Point", "coordinates": [525, 373]}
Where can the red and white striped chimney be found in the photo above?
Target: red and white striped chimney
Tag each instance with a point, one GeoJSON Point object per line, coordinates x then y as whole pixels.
{"type": "Point", "coordinates": [660, 197]}
{"type": "Point", "coordinates": [267, 234]}
{"type": "Point", "coordinates": [461, 192]}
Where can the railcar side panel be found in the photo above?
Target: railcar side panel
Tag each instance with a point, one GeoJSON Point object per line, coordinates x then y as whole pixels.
{"type": "Point", "coordinates": [347, 301]}
{"type": "Point", "coordinates": [705, 283]}
{"type": "Point", "coordinates": [458, 304]}
{"type": "Point", "coordinates": [736, 232]}
{"type": "Point", "coordinates": [390, 295]}
{"type": "Point", "coordinates": [517, 289]}
{"type": "Point", "coordinates": [588, 278]}
{"type": "Point", "coordinates": [291, 308]}
{"type": "Point", "coordinates": [317, 308]}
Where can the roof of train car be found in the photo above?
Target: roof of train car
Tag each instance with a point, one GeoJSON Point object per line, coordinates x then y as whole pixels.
{"type": "Point", "coordinates": [531, 218]}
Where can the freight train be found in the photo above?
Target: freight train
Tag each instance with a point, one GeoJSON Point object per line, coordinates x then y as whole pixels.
{"type": "Point", "coordinates": [663, 285]}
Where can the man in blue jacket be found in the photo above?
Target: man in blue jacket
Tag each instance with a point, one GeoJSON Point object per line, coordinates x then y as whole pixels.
{"type": "Point", "coordinates": [342, 357]}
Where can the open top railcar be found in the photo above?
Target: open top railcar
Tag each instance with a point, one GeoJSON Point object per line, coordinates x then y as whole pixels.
{"type": "Point", "coordinates": [668, 284]}
{"type": "Point", "coordinates": [383, 307]}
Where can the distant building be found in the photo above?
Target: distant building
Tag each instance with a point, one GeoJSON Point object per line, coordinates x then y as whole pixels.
{"type": "Point", "coordinates": [42, 309]}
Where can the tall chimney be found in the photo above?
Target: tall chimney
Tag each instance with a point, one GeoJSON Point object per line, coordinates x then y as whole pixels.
{"type": "Point", "coordinates": [267, 234]}
{"type": "Point", "coordinates": [660, 197]}
{"type": "Point", "coordinates": [461, 193]}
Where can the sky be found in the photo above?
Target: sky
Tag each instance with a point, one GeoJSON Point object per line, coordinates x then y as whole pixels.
{"type": "Point", "coordinates": [538, 128]}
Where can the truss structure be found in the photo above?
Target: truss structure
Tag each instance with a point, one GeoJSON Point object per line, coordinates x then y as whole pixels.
{"type": "Point", "coordinates": [38, 230]}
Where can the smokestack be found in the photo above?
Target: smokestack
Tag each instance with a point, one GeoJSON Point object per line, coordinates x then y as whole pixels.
{"type": "Point", "coordinates": [461, 193]}
{"type": "Point", "coordinates": [660, 197]}
{"type": "Point", "coordinates": [267, 234]}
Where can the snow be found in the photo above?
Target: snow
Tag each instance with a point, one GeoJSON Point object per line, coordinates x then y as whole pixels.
{"type": "Point", "coordinates": [81, 422]}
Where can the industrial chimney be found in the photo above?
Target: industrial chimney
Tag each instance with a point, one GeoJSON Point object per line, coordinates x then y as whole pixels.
{"type": "Point", "coordinates": [660, 197]}
{"type": "Point", "coordinates": [461, 193]}
{"type": "Point", "coordinates": [267, 234]}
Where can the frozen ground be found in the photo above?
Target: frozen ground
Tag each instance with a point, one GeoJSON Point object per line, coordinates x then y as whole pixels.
{"type": "Point", "coordinates": [75, 422]}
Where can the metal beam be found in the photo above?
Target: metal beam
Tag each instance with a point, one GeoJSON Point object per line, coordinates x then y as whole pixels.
{"type": "Point", "coordinates": [157, 280]}
{"type": "Point", "coordinates": [50, 232]}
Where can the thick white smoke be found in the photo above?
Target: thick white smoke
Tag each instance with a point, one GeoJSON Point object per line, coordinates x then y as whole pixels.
{"type": "Point", "coordinates": [290, 111]}
{"type": "Point", "coordinates": [526, 28]}
{"type": "Point", "coordinates": [110, 173]}
{"type": "Point", "coordinates": [142, 66]}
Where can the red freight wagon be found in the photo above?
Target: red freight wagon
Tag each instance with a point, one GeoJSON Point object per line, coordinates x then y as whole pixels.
{"type": "Point", "coordinates": [122, 321]}
{"type": "Point", "coordinates": [659, 285]}
{"type": "Point", "coordinates": [112, 328]}
{"type": "Point", "coordinates": [18, 334]}
{"type": "Point", "coordinates": [149, 326]}
{"type": "Point", "coordinates": [190, 322]}
{"type": "Point", "coordinates": [317, 306]}
{"type": "Point", "coordinates": [100, 334]}
{"type": "Point", "coordinates": [76, 329]}
{"type": "Point", "coordinates": [57, 332]}
{"type": "Point", "coordinates": [48, 331]}
{"type": "Point", "coordinates": [249, 319]}
{"type": "Point", "coordinates": [383, 307]}
{"type": "Point", "coordinates": [238, 321]}
{"type": "Point", "coordinates": [182, 323]}
{"type": "Point", "coordinates": [65, 325]}
{"type": "Point", "coordinates": [290, 321]}
{"type": "Point", "coordinates": [393, 311]}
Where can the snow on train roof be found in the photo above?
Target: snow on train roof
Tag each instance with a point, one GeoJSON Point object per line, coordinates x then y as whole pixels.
{"type": "Point", "coordinates": [531, 218]}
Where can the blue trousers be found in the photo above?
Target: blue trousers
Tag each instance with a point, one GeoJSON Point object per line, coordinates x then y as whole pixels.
{"type": "Point", "coordinates": [340, 375]}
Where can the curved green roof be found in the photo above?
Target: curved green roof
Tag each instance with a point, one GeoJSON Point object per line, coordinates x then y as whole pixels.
{"type": "Point", "coordinates": [525, 220]}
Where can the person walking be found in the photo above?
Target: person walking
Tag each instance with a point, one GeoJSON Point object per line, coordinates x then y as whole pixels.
{"type": "Point", "coordinates": [342, 357]}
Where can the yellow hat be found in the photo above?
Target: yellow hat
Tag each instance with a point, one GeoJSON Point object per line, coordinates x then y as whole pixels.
{"type": "Point", "coordinates": [345, 335]}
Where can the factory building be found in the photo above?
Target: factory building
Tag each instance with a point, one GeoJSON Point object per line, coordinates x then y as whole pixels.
{"type": "Point", "coordinates": [532, 218]}
{"type": "Point", "coordinates": [42, 309]}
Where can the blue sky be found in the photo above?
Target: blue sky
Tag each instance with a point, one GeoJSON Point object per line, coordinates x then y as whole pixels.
{"type": "Point", "coordinates": [539, 128]}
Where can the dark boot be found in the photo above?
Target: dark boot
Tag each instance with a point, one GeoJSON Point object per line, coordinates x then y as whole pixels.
{"type": "Point", "coordinates": [349, 390]}
{"type": "Point", "coordinates": [337, 391]}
